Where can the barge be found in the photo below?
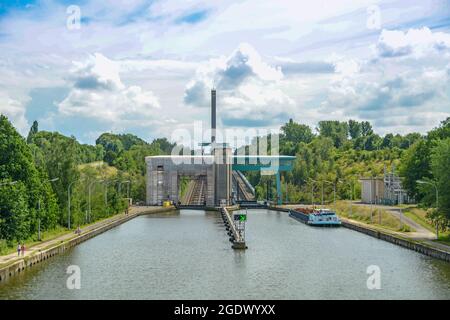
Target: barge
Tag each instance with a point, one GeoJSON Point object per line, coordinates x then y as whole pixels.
{"type": "Point", "coordinates": [316, 217]}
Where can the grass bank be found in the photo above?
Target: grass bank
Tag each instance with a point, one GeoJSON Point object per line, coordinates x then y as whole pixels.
{"type": "Point", "coordinates": [419, 215]}
{"type": "Point", "coordinates": [375, 217]}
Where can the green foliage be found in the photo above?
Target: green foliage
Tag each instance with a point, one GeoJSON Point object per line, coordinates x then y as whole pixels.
{"type": "Point", "coordinates": [441, 132]}
{"type": "Point", "coordinates": [164, 145]}
{"type": "Point", "coordinates": [33, 130]}
{"type": "Point", "coordinates": [133, 162]}
{"type": "Point", "coordinates": [415, 165]}
{"type": "Point", "coordinates": [292, 135]}
{"type": "Point", "coordinates": [440, 165]}
{"type": "Point", "coordinates": [318, 158]}
{"type": "Point", "coordinates": [15, 216]}
{"type": "Point", "coordinates": [20, 201]}
{"type": "Point", "coordinates": [355, 129]}
{"type": "Point", "coordinates": [336, 130]}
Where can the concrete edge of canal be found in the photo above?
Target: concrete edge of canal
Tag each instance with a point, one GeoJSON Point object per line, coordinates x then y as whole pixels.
{"type": "Point", "coordinates": [27, 262]}
{"type": "Point", "coordinates": [397, 240]}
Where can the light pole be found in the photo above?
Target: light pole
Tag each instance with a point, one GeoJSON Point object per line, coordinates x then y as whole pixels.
{"type": "Point", "coordinates": [89, 197]}
{"type": "Point", "coordinates": [312, 191]}
{"type": "Point", "coordinates": [68, 202]}
{"type": "Point", "coordinates": [322, 192]}
{"type": "Point", "coordinates": [106, 194]}
{"type": "Point", "coordinates": [128, 189]}
{"type": "Point", "coordinates": [352, 193]}
{"type": "Point", "coordinates": [334, 192]}
{"type": "Point", "coordinates": [39, 211]}
{"type": "Point", "coordinates": [434, 184]}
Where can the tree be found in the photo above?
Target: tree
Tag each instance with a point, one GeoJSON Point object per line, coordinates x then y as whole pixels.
{"type": "Point", "coordinates": [410, 139]}
{"type": "Point", "coordinates": [355, 129]}
{"type": "Point", "coordinates": [415, 165]}
{"type": "Point", "coordinates": [440, 165]}
{"type": "Point", "coordinates": [33, 130]}
{"type": "Point", "coordinates": [295, 132]}
{"type": "Point", "coordinates": [337, 131]}
{"type": "Point", "coordinates": [441, 132]}
{"type": "Point", "coordinates": [292, 134]}
{"type": "Point", "coordinates": [387, 142]}
{"type": "Point", "coordinates": [61, 157]}
{"type": "Point", "coordinates": [16, 164]}
{"type": "Point", "coordinates": [164, 145]}
{"type": "Point", "coordinates": [366, 128]}
{"type": "Point", "coordinates": [14, 213]}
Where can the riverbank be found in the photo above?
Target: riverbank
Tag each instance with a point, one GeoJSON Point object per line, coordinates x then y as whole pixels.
{"type": "Point", "coordinates": [12, 264]}
{"type": "Point", "coordinates": [403, 239]}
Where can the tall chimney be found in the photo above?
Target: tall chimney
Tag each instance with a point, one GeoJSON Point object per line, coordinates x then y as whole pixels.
{"type": "Point", "coordinates": [213, 116]}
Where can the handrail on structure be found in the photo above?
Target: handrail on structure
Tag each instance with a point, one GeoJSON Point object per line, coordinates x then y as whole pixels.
{"type": "Point", "coordinates": [247, 183]}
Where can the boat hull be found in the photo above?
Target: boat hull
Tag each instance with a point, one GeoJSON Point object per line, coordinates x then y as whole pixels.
{"type": "Point", "coordinates": [302, 217]}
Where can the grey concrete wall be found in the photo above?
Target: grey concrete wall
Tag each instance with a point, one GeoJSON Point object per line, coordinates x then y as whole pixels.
{"type": "Point", "coordinates": [164, 172]}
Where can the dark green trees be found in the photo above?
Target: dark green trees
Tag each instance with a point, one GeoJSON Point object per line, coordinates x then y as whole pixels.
{"type": "Point", "coordinates": [33, 130]}
{"type": "Point", "coordinates": [23, 188]}
{"type": "Point", "coordinates": [415, 165]}
{"type": "Point", "coordinates": [292, 135]}
{"type": "Point", "coordinates": [440, 165]}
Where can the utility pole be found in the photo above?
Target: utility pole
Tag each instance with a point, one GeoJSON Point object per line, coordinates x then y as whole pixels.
{"type": "Point", "coordinates": [39, 212]}
{"type": "Point", "coordinates": [322, 192]}
{"type": "Point", "coordinates": [89, 197]}
{"type": "Point", "coordinates": [334, 192]}
{"type": "Point", "coordinates": [39, 220]}
{"type": "Point", "coordinates": [68, 201]}
{"type": "Point", "coordinates": [312, 191]}
{"type": "Point", "coordinates": [434, 184]}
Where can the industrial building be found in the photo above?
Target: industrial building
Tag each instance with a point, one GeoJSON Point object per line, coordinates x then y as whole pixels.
{"type": "Point", "coordinates": [384, 190]}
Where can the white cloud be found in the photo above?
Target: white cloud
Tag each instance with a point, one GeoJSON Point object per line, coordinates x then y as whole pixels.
{"type": "Point", "coordinates": [248, 88]}
{"type": "Point", "coordinates": [415, 42]}
{"type": "Point", "coordinates": [15, 111]}
{"type": "Point", "coordinates": [98, 92]}
{"type": "Point", "coordinates": [416, 99]}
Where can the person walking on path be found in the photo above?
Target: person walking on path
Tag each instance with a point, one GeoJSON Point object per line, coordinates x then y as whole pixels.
{"type": "Point", "coordinates": [18, 249]}
{"type": "Point", "coordinates": [23, 249]}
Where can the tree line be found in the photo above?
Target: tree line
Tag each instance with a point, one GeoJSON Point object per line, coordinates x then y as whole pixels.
{"type": "Point", "coordinates": [38, 173]}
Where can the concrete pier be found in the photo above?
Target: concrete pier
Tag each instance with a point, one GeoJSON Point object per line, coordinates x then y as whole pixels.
{"type": "Point", "coordinates": [235, 237]}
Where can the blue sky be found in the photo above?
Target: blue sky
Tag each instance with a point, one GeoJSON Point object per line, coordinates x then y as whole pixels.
{"type": "Point", "coordinates": [146, 67]}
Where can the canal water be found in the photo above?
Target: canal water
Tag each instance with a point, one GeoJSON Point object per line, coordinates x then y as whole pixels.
{"type": "Point", "coordinates": [187, 255]}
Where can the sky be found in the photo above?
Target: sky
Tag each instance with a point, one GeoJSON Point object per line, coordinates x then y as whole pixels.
{"type": "Point", "coordinates": [147, 67]}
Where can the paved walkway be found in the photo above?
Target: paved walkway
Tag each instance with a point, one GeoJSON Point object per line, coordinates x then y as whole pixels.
{"type": "Point", "coordinates": [7, 259]}
{"type": "Point", "coordinates": [419, 233]}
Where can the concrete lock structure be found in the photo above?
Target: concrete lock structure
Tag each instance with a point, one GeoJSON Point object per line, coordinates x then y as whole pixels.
{"type": "Point", "coordinates": [164, 174]}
